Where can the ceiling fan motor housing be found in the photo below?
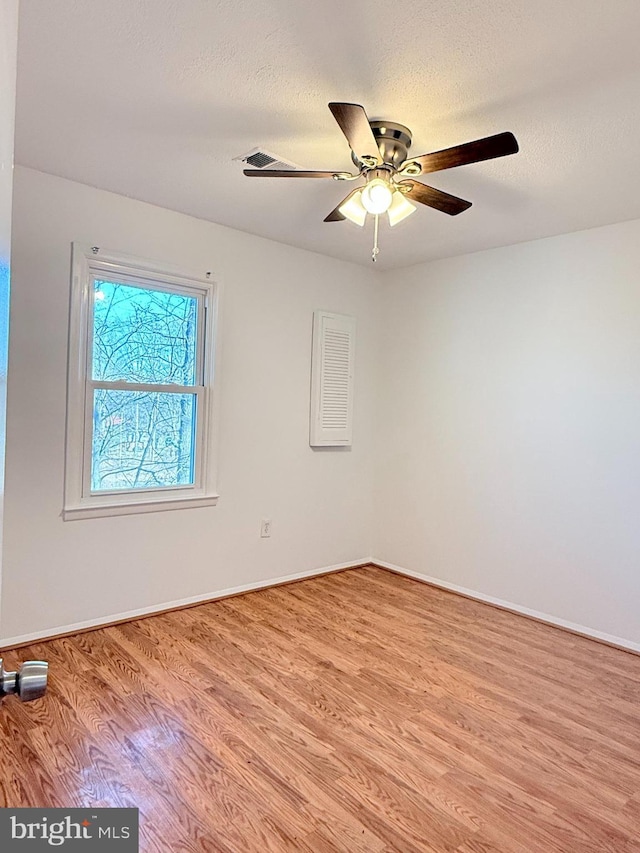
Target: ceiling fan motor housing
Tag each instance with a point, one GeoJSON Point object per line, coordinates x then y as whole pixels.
{"type": "Point", "coordinates": [394, 141]}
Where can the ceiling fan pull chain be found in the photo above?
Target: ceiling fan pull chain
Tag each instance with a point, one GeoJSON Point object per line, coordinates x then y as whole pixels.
{"type": "Point", "coordinates": [376, 250]}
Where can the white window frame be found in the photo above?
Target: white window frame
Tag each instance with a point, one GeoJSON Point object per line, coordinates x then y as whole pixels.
{"type": "Point", "coordinates": [87, 265]}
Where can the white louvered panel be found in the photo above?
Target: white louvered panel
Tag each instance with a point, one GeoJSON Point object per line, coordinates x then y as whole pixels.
{"type": "Point", "coordinates": [332, 379]}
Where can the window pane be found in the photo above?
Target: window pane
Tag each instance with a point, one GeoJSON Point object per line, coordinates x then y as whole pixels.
{"type": "Point", "coordinates": [142, 440]}
{"type": "Point", "coordinates": [143, 335]}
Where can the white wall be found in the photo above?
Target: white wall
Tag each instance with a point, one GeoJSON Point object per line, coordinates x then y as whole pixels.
{"type": "Point", "coordinates": [8, 51]}
{"type": "Point", "coordinates": [509, 442]}
{"type": "Point", "coordinates": [61, 573]}
{"type": "Point", "coordinates": [502, 386]}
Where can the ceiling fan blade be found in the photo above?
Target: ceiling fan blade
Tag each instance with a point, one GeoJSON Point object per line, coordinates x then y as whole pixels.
{"type": "Point", "coordinates": [335, 215]}
{"type": "Point", "coordinates": [437, 199]}
{"type": "Point", "coordinates": [355, 125]}
{"type": "Point", "coordinates": [284, 173]}
{"type": "Point", "coordinates": [471, 152]}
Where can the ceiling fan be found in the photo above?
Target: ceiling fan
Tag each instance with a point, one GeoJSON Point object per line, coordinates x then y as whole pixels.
{"type": "Point", "coordinates": [379, 150]}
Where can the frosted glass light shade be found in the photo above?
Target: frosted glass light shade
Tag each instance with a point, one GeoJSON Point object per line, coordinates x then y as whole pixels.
{"type": "Point", "coordinates": [377, 196]}
{"type": "Point", "coordinates": [400, 208]}
{"type": "Point", "coordinates": [353, 209]}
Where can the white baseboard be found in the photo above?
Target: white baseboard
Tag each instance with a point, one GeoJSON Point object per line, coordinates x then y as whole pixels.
{"type": "Point", "coordinates": [130, 615]}
{"type": "Point", "coordinates": [590, 633]}
{"type": "Point", "coordinates": [63, 630]}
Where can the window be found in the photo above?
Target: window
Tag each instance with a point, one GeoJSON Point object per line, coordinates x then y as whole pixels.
{"type": "Point", "coordinates": [140, 407]}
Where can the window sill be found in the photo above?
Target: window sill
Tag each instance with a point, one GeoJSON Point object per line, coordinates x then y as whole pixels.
{"type": "Point", "coordinates": [73, 513]}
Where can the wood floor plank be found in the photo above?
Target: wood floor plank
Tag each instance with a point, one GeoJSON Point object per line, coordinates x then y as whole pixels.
{"type": "Point", "coordinates": [360, 712]}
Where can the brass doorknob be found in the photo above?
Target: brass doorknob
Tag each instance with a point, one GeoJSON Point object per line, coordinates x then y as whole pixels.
{"type": "Point", "coordinates": [28, 683]}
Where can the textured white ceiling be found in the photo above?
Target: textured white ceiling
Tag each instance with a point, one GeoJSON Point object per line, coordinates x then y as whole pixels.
{"type": "Point", "coordinates": [153, 98]}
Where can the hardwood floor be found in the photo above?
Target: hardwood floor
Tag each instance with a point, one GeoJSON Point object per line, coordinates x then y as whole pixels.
{"type": "Point", "coordinates": [360, 712]}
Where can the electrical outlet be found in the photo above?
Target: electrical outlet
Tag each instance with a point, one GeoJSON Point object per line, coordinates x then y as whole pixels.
{"type": "Point", "coordinates": [265, 528]}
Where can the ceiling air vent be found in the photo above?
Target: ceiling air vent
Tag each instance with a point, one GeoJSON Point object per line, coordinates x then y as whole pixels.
{"type": "Point", "coordinates": [261, 159]}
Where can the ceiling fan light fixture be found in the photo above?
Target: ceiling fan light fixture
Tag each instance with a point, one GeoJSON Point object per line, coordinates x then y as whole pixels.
{"type": "Point", "coordinates": [400, 208]}
{"type": "Point", "coordinates": [377, 196]}
{"type": "Point", "coordinates": [353, 209]}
